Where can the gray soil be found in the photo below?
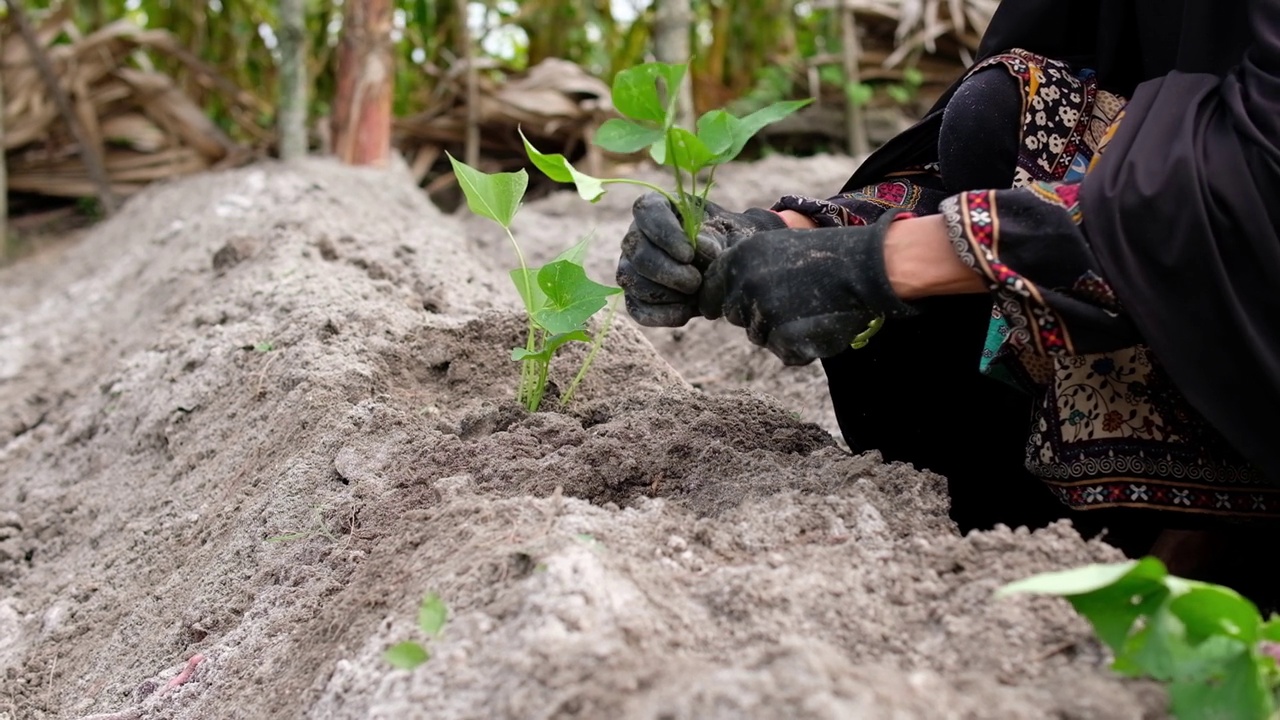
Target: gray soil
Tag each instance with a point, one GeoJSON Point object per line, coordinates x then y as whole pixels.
{"type": "Point", "coordinates": [257, 415]}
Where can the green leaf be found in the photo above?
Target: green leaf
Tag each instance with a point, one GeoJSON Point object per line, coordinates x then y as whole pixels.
{"type": "Point", "coordinates": [858, 94]}
{"type": "Point", "coordinates": [432, 614]}
{"type": "Point", "coordinates": [1238, 691]}
{"type": "Point", "coordinates": [716, 130]}
{"type": "Point", "coordinates": [526, 282]}
{"type": "Point", "coordinates": [1110, 597]}
{"type": "Point", "coordinates": [552, 345]}
{"type": "Point", "coordinates": [1070, 582]}
{"type": "Point", "coordinates": [572, 297]}
{"type": "Point", "coordinates": [1270, 630]}
{"type": "Point", "coordinates": [1208, 610]}
{"type": "Point", "coordinates": [496, 196]}
{"type": "Point", "coordinates": [900, 94]}
{"type": "Point", "coordinates": [912, 77]}
{"type": "Point", "coordinates": [625, 137]}
{"type": "Point", "coordinates": [748, 126]}
{"type": "Point", "coordinates": [558, 168]}
{"type": "Point", "coordinates": [688, 152]}
{"type": "Point", "coordinates": [406, 655]}
{"type": "Point", "coordinates": [636, 91]}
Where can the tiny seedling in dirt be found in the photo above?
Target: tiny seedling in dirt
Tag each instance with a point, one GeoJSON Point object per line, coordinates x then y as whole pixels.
{"type": "Point", "coordinates": [1209, 644]}
{"type": "Point", "coordinates": [645, 96]}
{"type": "Point", "coordinates": [432, 615]}
{"type": "Point", "coordinates": [559, 298]}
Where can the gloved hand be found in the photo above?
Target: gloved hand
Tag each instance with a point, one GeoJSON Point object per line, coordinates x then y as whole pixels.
{"type": "Point", "coordinates": [660, 271]}
{"type": "Point", "coordinates": [803, 294]}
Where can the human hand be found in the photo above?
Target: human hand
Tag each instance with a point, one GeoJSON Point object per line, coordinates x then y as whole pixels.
{"type": "Point", "coordinates": [803, 294]}
{"type": "Point", "coordinates": [660, 271]}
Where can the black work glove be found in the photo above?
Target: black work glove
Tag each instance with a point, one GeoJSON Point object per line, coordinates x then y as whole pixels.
{"type": "Point", "coordinates": [660, 272]}
{"type": "Point", "coordinates": [804, 294]}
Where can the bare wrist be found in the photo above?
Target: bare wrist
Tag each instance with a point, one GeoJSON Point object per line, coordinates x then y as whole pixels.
{"type": "Point", "coordinates": [920, 261]}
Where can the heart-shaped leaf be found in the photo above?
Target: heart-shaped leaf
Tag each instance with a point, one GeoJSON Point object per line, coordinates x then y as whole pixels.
{"type": "Point", "coordinates": [688, 152]}
{"type": "Point", "coordinates": [558, 168]}
{"type": "Point", "coordinates": [571, 297]}
{"type": "Point", "coordinates": [496, 196]}
{"type": "Point", "coordinates": [626, 137]}
{"type": "Point", "coordinates": [636, 91]}
{"type": "Point", "coordinates": [716, 130]}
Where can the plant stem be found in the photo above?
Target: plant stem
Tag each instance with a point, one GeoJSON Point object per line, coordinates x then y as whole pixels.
{"type": "Point", "coordinates": [596, 343]}
{"type": "Point", "coordinates": [528, 374]}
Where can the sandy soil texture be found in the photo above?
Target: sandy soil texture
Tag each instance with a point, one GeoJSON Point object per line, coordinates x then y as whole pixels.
{"type": "Point", "coordinates": [247, 423]}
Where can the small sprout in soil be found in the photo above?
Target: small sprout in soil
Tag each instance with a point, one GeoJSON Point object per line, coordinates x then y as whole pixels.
{"type": "Point", "coordinates": [432, 615]}
{"type": "Point", "coordinates": [559, 298]}
{"type": "Point", "coordinates": [1209, 644]}
{"type": "Point", "coordinates": [264, 346]}
{"type": "Point", "coordinates": [645, 96]}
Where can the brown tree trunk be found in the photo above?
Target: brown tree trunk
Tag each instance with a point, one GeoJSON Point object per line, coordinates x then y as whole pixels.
{"type": "Point", "coordinates": [366, 73]}
{"type": "Point", "coordinates": [4, 175]}
{"type": "Point", "coordinates": [672, 26]}
{"type": "Point", "coordinates": [292, 116]}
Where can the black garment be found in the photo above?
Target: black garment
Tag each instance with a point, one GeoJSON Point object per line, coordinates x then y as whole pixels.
{"type": "Point", "coordinates": [1183, 213]}
{"type": "Point", "coordinates": [915, 393]}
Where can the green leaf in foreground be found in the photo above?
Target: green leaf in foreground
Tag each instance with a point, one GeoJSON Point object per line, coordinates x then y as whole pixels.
{"type": "Point", "coordinates": [432, 614]}
{"type": "Point", "coordinates": [1207, 610]}
{"type": "Point", "coordinates": [496, 196]}
{"type": "Point", "coordinates": [572, 297]}
{"type": "Point", "coordinates": [406, 655]}
{"type": "Point", "coordinates": [558, 168]}
{"type": "Point", "coordinates": [626, 137]}
{"type": "Point", "coordinates": [1110, 597]}
{"type": "Point", "coordinates": [636, 91]}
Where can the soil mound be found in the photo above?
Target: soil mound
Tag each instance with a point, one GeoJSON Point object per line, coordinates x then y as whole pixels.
{"type": "Point", "coordinates": [251, 420]}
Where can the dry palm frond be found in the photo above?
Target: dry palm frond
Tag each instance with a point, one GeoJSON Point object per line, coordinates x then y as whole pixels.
{"type": "Point", "coordinates": [149, 128]}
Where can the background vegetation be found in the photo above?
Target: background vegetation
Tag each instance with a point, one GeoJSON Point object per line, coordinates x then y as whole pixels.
{"type": "Point", "coordinates": [753, 51]}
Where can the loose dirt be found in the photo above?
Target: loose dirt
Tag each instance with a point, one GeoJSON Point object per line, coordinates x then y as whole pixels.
{"type": "Point", "coordinates": [257, 415]}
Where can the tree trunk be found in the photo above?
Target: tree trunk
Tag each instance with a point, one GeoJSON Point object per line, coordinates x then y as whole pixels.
{"type": "Point", "coordinates": [855, 121]}
{"type": "Point", "coordinates": [362, 101]}
{"type": "Point", "coordinates": [4, 175]}
{"type": "Point", "coordinates": [471, 151]}
{"type": "Point", "coordinates": [672, 27]}
{"type": "Point", "coordinates": [292, 118]}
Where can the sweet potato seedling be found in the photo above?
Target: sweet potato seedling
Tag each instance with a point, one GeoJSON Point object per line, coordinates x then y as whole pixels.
{"type": "Point", "coordinates": [559, 298]}
{"type": "Point", "coordinates": [432, 615]}
{"type": "Point", "coordinates": [1209, 644]}
{"type": "Point", "coordinates": [645, 96]}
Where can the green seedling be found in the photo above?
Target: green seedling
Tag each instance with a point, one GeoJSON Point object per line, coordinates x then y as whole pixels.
{"type": "Point", "coordinates": [645, 96]}
{"type": "Point", "coordinates": [559, 298]}
{"type": "Point", "coordinates": [1209, 644]}
{"type": "Point", "coordinates": [432, 615]}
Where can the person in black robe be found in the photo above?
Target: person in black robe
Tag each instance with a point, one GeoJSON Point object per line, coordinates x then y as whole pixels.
{"type": "Point", "coordinates": [1077, 252]}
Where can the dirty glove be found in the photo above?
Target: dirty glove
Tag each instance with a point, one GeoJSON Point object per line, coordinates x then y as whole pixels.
{"type": "Point", "coordinates": [804, 294]}
{"type": "Point", "coordinates": [660, 272]}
